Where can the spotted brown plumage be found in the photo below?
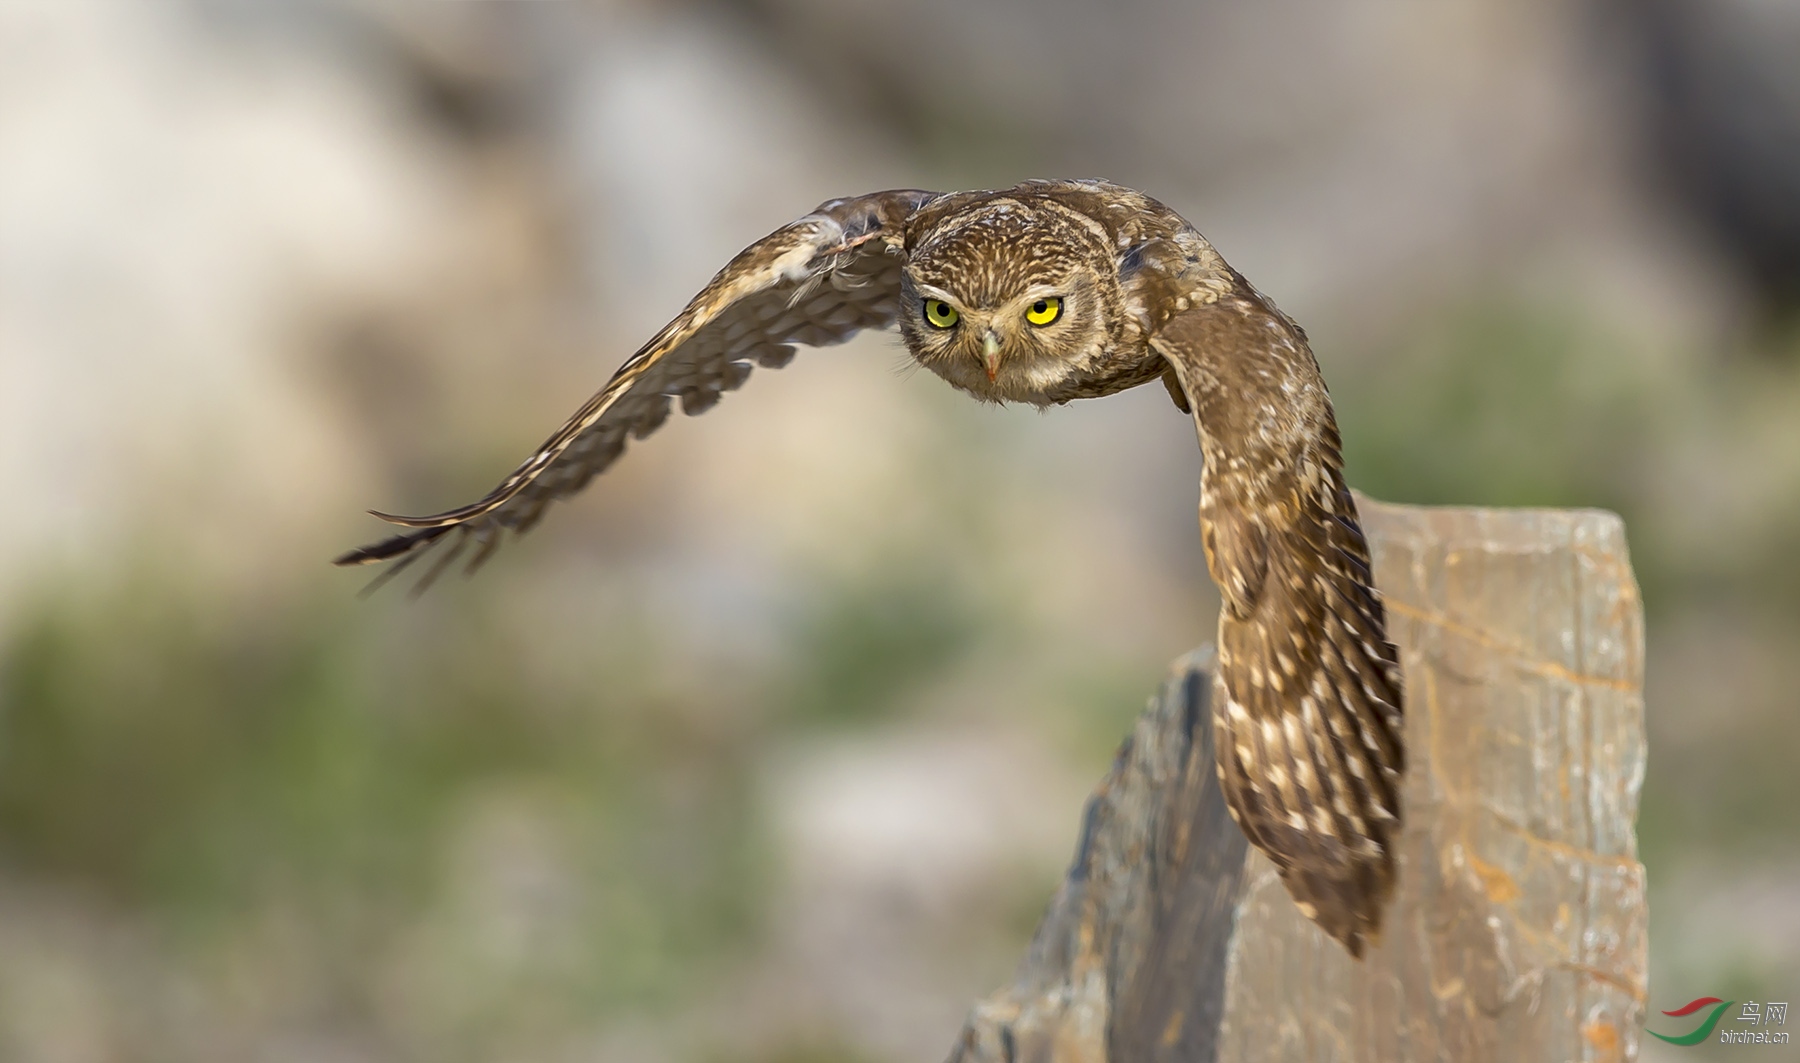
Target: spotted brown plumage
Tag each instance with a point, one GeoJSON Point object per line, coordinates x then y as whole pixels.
{"type": "Point", "coordinates": [1307, 710]}
{"type": "Point", "coordinates": [1044, 293]}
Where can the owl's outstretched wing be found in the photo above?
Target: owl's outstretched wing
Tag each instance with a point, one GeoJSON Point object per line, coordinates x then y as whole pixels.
{"type": "Point", "coordinates": [816, 281]}
{"type": "Point", "coordinates": [1308, 717]}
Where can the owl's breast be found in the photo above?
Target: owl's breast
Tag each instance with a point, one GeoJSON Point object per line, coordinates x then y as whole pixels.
{"type": "Point", "coordinates": [1126, 363]}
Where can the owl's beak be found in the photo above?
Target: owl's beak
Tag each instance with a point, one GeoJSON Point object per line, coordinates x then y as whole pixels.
{"type": "Point", "coordinates": [990, 354]}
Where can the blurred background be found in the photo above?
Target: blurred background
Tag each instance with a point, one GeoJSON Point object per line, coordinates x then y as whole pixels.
{"type": "Point", "coordinates": [771, 747]}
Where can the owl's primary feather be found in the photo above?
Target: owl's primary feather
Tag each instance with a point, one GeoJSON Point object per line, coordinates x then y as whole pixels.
{"type": "Point", "coordinates": [1044, 293]}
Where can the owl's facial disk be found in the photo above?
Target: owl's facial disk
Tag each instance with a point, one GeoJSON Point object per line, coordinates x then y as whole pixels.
{"type": "Point", "coordinates": [1011, 348]}
{"type": "Point", "coordinates": [1008, 300]}
{"type": "Point", "coordinates": [991, 328]}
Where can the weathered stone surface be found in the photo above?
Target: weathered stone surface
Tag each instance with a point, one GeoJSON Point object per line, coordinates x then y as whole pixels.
{"type": "Point", "coordinates": [1131, 955]}
{"type": "Point", "coordinates": [1519, 929]}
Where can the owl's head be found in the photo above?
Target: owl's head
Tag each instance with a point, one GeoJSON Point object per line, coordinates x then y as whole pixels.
{"type": "Point", "coordinates": [1006, 299]}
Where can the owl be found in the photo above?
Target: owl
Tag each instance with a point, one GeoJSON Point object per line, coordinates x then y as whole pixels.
{"type": "Point", "coordinates": [1044, 293]}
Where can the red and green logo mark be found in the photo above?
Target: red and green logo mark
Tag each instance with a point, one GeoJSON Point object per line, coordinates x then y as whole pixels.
{"type": "Point", "coordinates": [1705, 1029]}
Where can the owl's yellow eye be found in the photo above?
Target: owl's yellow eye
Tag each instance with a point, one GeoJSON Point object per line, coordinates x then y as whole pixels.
{"type": "Point", "coordinates": [940, 314]}
{"type": "Point", "coordinates": [1044, 311]}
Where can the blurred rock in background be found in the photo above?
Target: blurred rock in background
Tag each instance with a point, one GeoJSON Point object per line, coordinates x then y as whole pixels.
{"type": "Point", "coordinates": [1722, 104]}
{"type": "Point", "coordinates": [770, 747]}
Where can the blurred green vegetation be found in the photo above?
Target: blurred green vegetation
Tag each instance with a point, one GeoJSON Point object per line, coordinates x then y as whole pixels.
{"type": "Point", "coordinates": [210, 768]}
{"type": "Point", "coordinates": [1513, 404]}
{"type": "Point", "coordinates": [1517, 403]}
{"type": "Point", "coordinates": [380, 772]}
{"type": "Point", "coordinates": [869, 642]}
{"type": "Point", "coordinates": [1499, 406]}
{"type": "Point", "coordinates": [1732, 795]}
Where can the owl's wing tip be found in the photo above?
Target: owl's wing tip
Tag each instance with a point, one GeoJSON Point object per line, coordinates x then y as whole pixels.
{"type": "Point", "coordinates": [425, 530]}
{"type": "Point", "coordinates": [1358, 941]}
{"type": "Point", "coordinates": [375, 552]}
{"type": "Point", "coordinates": [414, 522]}
{"type": "Point", "coordinates": [1348, 911]}
{"type": "Point", "coordinates": [392, 547]}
